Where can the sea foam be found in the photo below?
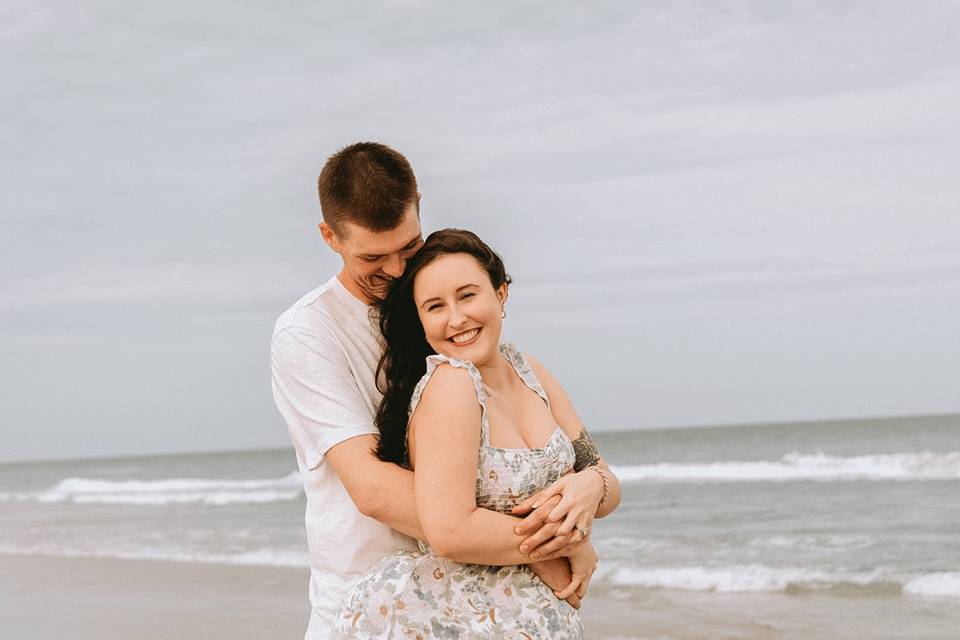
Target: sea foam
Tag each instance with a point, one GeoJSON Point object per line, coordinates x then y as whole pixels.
{"type": "Point", "coordinates": [944, 583]}
{"type": "Point", "coordinates": [922, 465]}
{"type": "Point", "coordinates": [753, 578]}
{"type": "Point", "coordinates": [169, 491]}
{"type": "Point", "coordinates": [267, 557]}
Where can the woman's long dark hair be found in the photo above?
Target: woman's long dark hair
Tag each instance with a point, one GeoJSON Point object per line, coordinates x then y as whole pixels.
{"type": "Point", "coordinates": [403, 362]}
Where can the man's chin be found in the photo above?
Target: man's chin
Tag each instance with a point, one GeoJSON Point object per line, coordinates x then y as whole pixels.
{"type": "Point", "coordinates": [376, 293]}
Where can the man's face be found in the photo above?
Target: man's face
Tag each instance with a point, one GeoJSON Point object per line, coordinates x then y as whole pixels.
{"type": "Point", "coordinates": [371, 259]}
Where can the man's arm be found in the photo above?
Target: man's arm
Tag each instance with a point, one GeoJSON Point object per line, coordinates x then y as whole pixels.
{"type": "Point", "coordinates": [384, 491]}
{"type": "Point", "coordinates": [444, 438]}
{"type": "Point", "coordinates": [329, 421]}
{"type": "Point", "coordinates": [380, 490]}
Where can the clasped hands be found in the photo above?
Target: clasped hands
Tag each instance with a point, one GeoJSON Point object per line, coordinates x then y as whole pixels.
{"type": "Point", "coordinates": [560, 515]}
{"type": "Point", "coordinates": [557, 522]}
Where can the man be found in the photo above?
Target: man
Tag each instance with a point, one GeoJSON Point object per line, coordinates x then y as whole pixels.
{"type": "Point", "coordinates": [324, 355]}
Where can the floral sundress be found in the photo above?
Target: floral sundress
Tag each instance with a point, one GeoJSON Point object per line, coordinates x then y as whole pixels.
{"type": "Point", "coordinates": [418, 594]}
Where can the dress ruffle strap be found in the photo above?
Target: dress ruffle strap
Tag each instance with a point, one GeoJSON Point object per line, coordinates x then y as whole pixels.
{"type": "Point", "coordinates": [509, 352]}
{"type": "Point", "coordinates": [436, 360]}
{"type": "Point", "coordinates": [513, 355]}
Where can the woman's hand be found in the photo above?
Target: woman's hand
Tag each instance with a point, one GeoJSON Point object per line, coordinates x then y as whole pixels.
{"type": "Point", "coordinates": [583, 562]}
{"type": "Point", "coordinates": [552, 524]}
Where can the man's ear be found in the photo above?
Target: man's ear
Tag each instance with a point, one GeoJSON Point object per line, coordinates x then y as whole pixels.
{"type": "Point", "coordinates": [329, 236]}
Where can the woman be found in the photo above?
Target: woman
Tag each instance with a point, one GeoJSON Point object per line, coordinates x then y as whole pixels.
{"type": "Point", "coordinates": [477, 421]}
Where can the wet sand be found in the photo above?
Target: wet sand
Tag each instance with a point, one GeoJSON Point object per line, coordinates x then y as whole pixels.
{"type": "Point", "coordinates": [43, 597]}
{"type": "Point", "coordinates": [86, 598]}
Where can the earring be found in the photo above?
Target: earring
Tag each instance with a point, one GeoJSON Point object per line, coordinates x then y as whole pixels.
{"type": "Point", "coordinates": [503, 312]}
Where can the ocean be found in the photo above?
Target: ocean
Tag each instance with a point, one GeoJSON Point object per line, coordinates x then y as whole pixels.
{"type": "Point", "coordinates": [809, 530]}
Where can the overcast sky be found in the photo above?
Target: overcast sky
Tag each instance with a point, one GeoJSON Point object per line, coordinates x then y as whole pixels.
{"type": "Point", "coordinates": [714, 212]}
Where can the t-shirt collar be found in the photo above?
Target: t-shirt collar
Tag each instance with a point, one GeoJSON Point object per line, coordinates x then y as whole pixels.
{"type": "Point", "coordinates": [356, 305]}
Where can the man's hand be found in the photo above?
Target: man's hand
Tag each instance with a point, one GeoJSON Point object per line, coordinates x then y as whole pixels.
{"type": "Point", "coordinates": [545, 539]}
{"type": "Point", "coordinates": [556, 574]}
{"type": "Point", "coordinates": [539, 531]}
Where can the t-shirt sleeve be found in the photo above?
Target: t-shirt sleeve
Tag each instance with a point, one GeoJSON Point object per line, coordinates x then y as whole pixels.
{"type": "Point", "coordinates": [317, 392]}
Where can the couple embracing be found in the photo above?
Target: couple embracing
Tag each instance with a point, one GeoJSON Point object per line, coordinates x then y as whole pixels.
{"type": "Point", "coordinates": [450, 485]}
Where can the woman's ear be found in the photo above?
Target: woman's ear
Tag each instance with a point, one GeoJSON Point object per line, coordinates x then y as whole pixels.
{"type": "Point", "coordinates": [502, 292]}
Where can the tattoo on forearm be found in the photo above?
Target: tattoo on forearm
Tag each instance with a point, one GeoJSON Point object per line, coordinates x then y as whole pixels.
{"type": "Point", "coordinates": [586, 451]}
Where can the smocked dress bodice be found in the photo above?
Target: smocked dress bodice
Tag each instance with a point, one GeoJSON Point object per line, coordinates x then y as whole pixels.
{"type": "Point", "coordinates": [423, 595]}
{"type": "Point", "coordinates": [506, 477]}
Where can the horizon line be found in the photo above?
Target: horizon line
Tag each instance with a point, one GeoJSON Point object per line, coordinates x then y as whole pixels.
{"type": "Point", "coordinates": [721, 425]}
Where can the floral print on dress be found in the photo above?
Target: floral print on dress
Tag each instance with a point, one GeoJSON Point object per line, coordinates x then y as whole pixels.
{"type": "Point", "coordinates": [418, 594]}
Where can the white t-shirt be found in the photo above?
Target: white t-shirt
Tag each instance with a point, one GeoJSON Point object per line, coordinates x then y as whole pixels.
{"type": "Point", "coordinates": [324, 356]}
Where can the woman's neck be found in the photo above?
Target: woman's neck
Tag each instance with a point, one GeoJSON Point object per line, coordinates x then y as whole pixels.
{"type": "Point", "coordinates": [495, 372]}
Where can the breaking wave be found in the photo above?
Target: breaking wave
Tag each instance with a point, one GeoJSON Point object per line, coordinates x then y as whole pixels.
{"type": "Point", "coordinates": [268, 557]}
{"type": "Point", "coordinates": [756, 578]}
{"type": "Point", "coordinates": [161, 492]}
{"type": "Point", "coordinates": [945, 583]}
{"type": "Point", "coordinates": [922, 465]}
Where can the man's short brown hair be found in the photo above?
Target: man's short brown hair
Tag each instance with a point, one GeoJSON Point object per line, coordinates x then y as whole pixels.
{"type": "Point", "coordinates": [368, 184]}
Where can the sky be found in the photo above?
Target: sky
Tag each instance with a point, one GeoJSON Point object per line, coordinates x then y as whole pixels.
{"type": "Point", "coordinates": [714, 212]}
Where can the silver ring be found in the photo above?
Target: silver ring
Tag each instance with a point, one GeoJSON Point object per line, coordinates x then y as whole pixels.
{"type": "Point", "coordinates": [583, 533]}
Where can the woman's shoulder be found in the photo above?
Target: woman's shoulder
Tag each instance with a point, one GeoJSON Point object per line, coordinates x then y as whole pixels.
{"type": "Point", "coordinates": [448, 381]}
{"type": "Point", "coordinates": [444, 371]}
{"type": "Point", "coordinates": [528, 366]}
{"type": "Point", "coordinates": [522, 359]}
{"type": "Point", "coordinates": [539, 370]}
{"type": "Point", "coordinates": [534, 363]}
{"type": "Point", "coordinates": [449, 372]}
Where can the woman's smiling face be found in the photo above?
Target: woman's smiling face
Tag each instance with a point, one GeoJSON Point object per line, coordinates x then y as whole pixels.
{"type": "Point", "coordinates": [459, 309]}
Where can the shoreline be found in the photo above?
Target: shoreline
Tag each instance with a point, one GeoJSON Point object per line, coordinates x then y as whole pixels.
{"type": "Point", "coordinates": [96, 598]}
{"type": "Point", "coordinates": [92, 598]}
{"type": "Point", "coordinates": [83, 598]}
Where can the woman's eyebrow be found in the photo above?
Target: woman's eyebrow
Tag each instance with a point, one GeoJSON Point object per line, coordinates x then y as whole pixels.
{"type": "Point", "coordinates": [459, 289]}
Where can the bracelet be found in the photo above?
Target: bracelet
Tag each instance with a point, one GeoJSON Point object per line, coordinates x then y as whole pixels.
{"type": "Point", "coordinates": [606, 484]}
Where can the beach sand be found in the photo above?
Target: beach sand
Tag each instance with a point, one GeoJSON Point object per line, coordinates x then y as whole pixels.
{"type": "Point", "coordinates": [86, 598]}
{"type": "Point", "coordinates": [44, 597]}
